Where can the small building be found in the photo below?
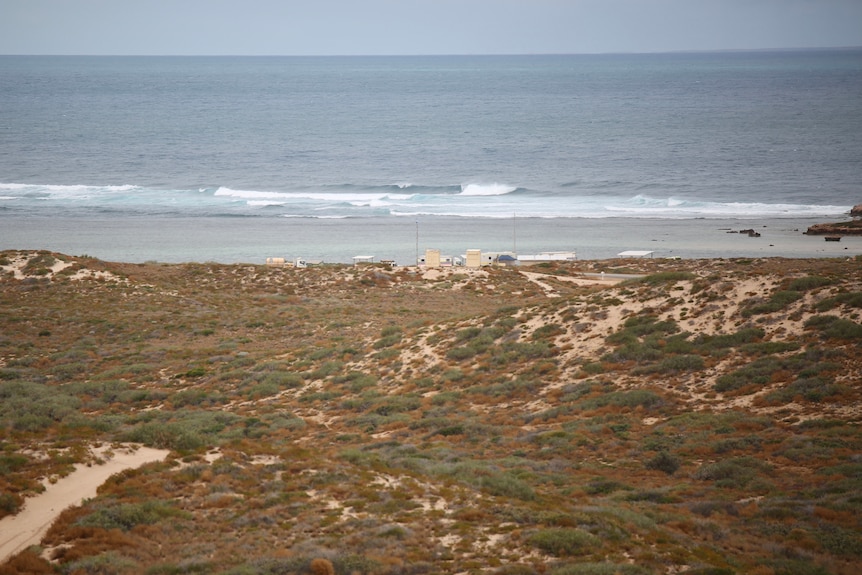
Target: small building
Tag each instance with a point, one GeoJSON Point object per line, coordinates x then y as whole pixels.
{"type": "Point", "coordinates": [473, 258]}
{"type": "Point", "coordinates": [276, 262]}
{"type": "Point", "coordinates": [635, 254]}
{"type": "Point", "coordinates": [498, 258]}
{"type": "Point", "coordinates": [432, 258]}
{"type": "Point", "coordinates": [362, 260]}
{"type": "Point", "coordinates": [549, 257]}
{"type": "Point", "coordinates": [507, 260]}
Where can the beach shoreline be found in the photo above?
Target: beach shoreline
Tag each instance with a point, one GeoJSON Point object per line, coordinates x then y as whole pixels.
{"type": "Point", "coordinates": [252, 240]}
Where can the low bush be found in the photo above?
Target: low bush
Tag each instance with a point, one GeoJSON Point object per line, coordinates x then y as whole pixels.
{"type": "Point", "coordinates": [850, 299]}
{"type": "Point", "coordinates": [808, 283]}
{"type": "Point", "coordinates": [776, 302]}
{"type": "Point", "coordinates": [642, 325]}
{"type": "Point", "coordinates": [601, 569]}
{"type": "Point", "coordinates": [759, 372]}
{"type": "Point", "coordinates": [808, 389]}
{"type": "Point", "coordinates": [735, 472]}
{"type": "Point", "coordinates": [663, 461]}
{"type": "Point", "coordinates": [110, 563]}
{"type": "Point", "coordinates": [678, 363]}
{"type": "Point", "coordinates": [663, 278]}
{"type": "Point", "coordinates": [125, 516]}
{"type": "Point", "coordinates": [724, 341]}
{"type": "Point", "coordinates": [564, 542]}
{"type": "Point", "coordinates": [832, 327]}
{"type": "Point", "coordinates": [627, 399]}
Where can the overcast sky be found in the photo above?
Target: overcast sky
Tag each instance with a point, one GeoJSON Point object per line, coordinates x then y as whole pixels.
{"type": "Point", "coordinates": [328, 27]}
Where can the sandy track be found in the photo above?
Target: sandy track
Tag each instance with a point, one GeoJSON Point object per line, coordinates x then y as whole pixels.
{"type": "Point", "coordinates": [17, 532]}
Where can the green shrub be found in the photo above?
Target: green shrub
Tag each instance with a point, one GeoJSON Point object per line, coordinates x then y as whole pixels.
{"type": "Point", "coordinates": [327, 369]}
{"type": "Point", "coordinates": [10, 503]}
{"type": "Point", "coordinates": [564, 542]}
{"type": "Point", "coordinates": [547, 331]}
{"type": "Point", "coordinates": [283, 379]}
{"type": "Point", "coordinates": [760, 372]}
{"type": "Point", "coordinates": [110, 563]}
{"type": "Point", "coordinates": [516, 352]}
{"type": "Point", "coordinates": [601, 569]}
{"type": "Point", "coordinates": [642, 325]}
{"type": "Point", "coordinates": [735, 472]}
{"type": "Point", "coordinates": [397, 404]}
{"type": "Point", "coordinates": [808, 283]}
{"type": "Point", "coordinates": [507, 485]}
{"type": "Point", "coordinates": [467, 333]}
{"type": "Point", "coordinates": [663, 461]}
{"type": "Point", "coordinates": [461, 353]}
{"type": "Point", "coordinates": [634, 351]}
{"type": "Point", "coordinates": [776, 302]}
{"type": "Point", "coordinates": [31, 406]}
{"type": "Point", "coordinates": [832, 327]}
{"type": "Point", "coordinates": [195, 397]}
{"type": "Point", "coordinates": [662, 278]}
{"type": "Point", "coordinates": [809, 388]}
{"type": "Point", "coordinates": [677, 363]}
{"type": "Point", "coordinates": [516, 569]}
{"type": "Point", "coordinates": [768, 347]}
{"type": "Point", "coordinates": [852, 299]}
{"type": "Point", "coordinates": [628, 399]}
{"type": "Point", "coordinates": [604, 487]}
{"type": "Point", "coordinates": [388, 340]}
{"type": "Point", "coordinates": [724, 341]}
{"type": "Point", "coordinates": [125, 516]}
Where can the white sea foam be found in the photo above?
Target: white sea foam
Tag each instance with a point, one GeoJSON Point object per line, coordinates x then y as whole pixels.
{"type": "Point", "coordinates": [486, 189]}
{"type": "Point", "coordinates": [264, 203]}
{"type": "Point", "coordinates": [348, 197]}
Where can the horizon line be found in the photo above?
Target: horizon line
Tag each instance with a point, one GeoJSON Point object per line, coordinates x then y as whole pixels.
{"type": "Point", "coordinates": [438, 55]}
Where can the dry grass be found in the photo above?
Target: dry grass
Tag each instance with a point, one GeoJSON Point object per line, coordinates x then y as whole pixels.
{"type": "Point", "coordinates": [384, 421]}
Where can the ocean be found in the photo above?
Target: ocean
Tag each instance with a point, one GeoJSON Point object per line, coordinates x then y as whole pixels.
{"type": "Point", "coordinates": [236, 159]}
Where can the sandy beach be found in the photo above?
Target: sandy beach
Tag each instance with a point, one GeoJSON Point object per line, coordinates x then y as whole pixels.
{"type": "Point", "coordinates": [17, 532]}
{"type": "Point", "coordinates": [252, 240]}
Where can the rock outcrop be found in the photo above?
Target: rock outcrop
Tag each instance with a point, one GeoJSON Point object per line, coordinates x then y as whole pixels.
{"type": "Point", "coordinates": [856, 211]}
{"type": "Point", "coordinates": [853, 228]}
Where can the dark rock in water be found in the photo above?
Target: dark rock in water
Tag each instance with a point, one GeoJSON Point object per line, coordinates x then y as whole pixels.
{"type": "Point", "coordinates": [856, 211]}
{"type": "Point", "coordinates": [751, 233]}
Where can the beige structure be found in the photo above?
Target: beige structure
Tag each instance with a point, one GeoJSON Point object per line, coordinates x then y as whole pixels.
{"type": "Point", "coordinates": [473, 258]}
{"type": "Point", "coordinates": [432, 258]}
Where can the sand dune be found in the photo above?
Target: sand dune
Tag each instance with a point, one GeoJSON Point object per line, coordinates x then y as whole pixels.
{"type": "Point", "coordinates": [17, 532]}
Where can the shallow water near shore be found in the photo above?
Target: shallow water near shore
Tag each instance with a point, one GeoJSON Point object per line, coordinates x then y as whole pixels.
{"type": "Point", "coordinates": [252, 240]}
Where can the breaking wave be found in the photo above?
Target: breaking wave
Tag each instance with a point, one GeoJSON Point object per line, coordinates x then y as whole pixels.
{"type": "Point", "coordinates": [476, 200]}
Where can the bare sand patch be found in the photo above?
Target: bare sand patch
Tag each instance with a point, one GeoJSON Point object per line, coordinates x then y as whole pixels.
{"type": "Point", "coordinates": [17, 532]}
{"type": "Point", "coordinates": [537, 278]}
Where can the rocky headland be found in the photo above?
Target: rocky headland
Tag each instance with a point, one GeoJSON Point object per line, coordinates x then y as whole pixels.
{"type": "Point", "coordinates": [851, 228]}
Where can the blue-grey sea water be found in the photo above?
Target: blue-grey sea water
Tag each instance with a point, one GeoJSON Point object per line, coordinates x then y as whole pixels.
{"type": "Point", "coordinates": [241, 158]}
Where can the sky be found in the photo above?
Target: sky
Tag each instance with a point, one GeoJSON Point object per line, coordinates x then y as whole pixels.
{"type": "Point", "coordinates": [408, 27]}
